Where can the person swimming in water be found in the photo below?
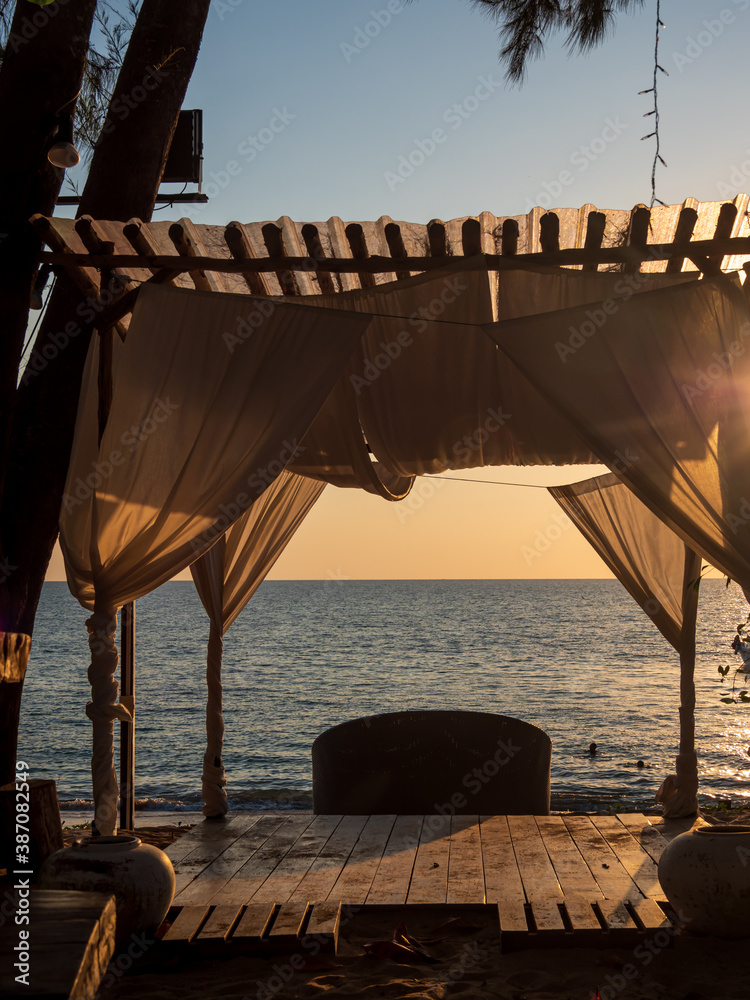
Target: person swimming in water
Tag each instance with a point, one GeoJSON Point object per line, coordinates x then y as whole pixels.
{"type": "Point", "coordinates": [592, 749]}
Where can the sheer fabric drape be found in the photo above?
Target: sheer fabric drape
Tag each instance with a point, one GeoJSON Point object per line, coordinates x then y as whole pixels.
{"type": "Point", "coordinates": [661, 574]}
{"type": "Point", "coordinates": [195, 433]}
{"type": "Point", "coordinates": [226, 577]}
{"type": "Point", "coordinates": [433, 393]}
{"type": "Point", "coordinates": [661, 393]}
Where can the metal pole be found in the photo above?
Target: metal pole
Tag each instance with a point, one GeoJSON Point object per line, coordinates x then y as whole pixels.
{"type": "Point", "coordinates": [127, 729]}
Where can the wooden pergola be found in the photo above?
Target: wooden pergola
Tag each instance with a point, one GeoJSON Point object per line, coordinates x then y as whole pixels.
{"type": "Point", "coordinates": [110, 260]}
{"type": "Point", "coordinates": [263, 881]}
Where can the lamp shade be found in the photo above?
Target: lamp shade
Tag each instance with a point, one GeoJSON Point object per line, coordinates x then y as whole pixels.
{"type": "Point", "coordinates": [64, 154]}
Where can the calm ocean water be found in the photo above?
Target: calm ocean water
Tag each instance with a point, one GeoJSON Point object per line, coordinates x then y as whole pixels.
{"type": "Point", "coordinates": [576, 657]}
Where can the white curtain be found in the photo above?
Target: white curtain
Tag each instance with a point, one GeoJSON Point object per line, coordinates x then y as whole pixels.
{"type": "Point", "coordinates": [226, 577]}
{"type": "Point", "coordinates": [661, 573]}
{"type": "Point", "coordinates": [660, 391]}
{"type": "Point", "coordinates": [198, 428]}
{"type": "Point", "coordinates": [334, 450]}
{"type": "Point", "coordinates": [433, 393]}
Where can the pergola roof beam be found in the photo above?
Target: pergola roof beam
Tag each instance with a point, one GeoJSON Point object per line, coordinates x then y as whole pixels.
{"type": "Point", "coordinates": [367, 266]}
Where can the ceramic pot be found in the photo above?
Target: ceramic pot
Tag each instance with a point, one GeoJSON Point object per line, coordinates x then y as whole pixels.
{"type": "Point", "coordinates": [705, 875]}
{"type": "Point", "coordinates": [140, 877]}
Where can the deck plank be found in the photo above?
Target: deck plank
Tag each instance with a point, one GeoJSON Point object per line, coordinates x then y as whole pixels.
{"type": "Point", "coordinates": [465, 866]}
{"type": "Point", "coordinates": [253, 923]}
{"type": "Point", "coordinates": [248, 879]}
{"type": "Point", "coordinates": [320, 878]}
{"type": "Point", "coordinates": [288, 923]}
{"type": "Point", "coordinates": [611, 877]}
{"type": "Point", "coordinates": [220, 923]}
{"type": "Point", "coordinates": [582, 917]}
{"type": "Point", "coordinates": [207, 843]}
{"type": "Point", "coordinates": [502, 879]}
{"type": "Point", "coordinates": [392, 879]}
{"type": "Point", "coordinates": [429, 878]}
{"type": "Point", "coordinates": [547, 917]}
{"type": "Point", "coordinates": [512, 916]}
{"type": "Point", "coordinates": [207, 831]}
{"type": "Point", "coordinates": [651, 915]}
{"type": "Point", "coordinates": [653, 837]}
{"type": "Point", "coordinates": [323, 926]}
{"type": "Point", "coordinates": [572, 872]}
{"type": "Point", "coordinates": [274, 874]}
{"type": "Point", "coordinates": [637, 863]}
{"type": "Point", "coordinates": [538, 875]}
{"type": "Point", "coordinates": [208, 884]}
{"type": "Point", "coordinates": [185, 926]}
{"type": "Point", "coordinates": [618, 920]}
{"type": "Point", "coordinates": [353, 884]}
{"type": "Point", "coordinates": [284, 879]}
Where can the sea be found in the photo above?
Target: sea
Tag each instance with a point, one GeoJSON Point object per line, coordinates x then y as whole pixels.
{"type": "Point", "coordinates": [576, 657]}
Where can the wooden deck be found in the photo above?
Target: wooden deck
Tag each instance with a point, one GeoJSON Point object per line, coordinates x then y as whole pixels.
{"type": "Point", "coordinates": [262, 881]}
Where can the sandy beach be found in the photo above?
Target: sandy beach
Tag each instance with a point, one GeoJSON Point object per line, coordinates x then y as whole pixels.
{"type": "Point", "coordinates": [468, 963]}
{"type": "Point", "coordinates": [462, 958]}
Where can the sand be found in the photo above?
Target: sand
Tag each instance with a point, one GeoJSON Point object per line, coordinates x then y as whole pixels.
{"type": "Point", "coordinates": [468, 963]}
{"type": "Point", "coordinates": [157, 836]}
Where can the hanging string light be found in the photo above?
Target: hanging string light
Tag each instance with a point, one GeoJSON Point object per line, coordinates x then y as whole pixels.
{"type": "Point", "coordinates": [655, 110]}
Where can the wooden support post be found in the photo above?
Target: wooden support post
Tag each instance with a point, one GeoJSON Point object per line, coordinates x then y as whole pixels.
{"type": "Point", "coordinates": [127, 729]}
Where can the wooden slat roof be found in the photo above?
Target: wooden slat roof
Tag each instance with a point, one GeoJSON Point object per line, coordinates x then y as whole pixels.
{"type": "Point", "coordinates": [293, 258]}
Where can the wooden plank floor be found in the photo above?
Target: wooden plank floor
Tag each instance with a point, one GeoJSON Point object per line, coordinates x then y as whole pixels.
{"type": "Point", "coordinates": [277, 876]}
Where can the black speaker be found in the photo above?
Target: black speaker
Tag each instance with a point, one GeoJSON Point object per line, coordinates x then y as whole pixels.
{"type": "Point", "coordinates": [186, 152]}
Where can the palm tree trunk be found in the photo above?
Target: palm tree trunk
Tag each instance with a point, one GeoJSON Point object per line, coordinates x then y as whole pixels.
{"type": "Point", "coordinates": [123, 182]}
{"type": "Point", "coordinates": [55, 38]}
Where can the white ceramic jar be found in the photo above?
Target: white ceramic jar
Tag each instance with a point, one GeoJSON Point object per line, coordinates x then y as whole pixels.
{"type": "Point", "coordinates": [705, 875]}
{"type": "Point", "coordinates": [140, 877]}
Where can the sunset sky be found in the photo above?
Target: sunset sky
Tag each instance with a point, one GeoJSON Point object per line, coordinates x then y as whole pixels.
{"type": "Point", "coordinates": [352, 89]}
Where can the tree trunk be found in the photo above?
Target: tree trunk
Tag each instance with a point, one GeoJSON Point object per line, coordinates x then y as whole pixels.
{"type": "Point", "coordinates": [123, 182]}
{"type": "Point", "coordinates": [39, 76]}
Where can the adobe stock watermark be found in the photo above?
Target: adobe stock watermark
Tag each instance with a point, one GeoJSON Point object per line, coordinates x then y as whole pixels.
{"type": "Point", "coordinates": [424, 489]}
{"type": "Point", "coordinates": [462, 449]}
{"type": "Point", "coordinates": [739, 174]}
{"type": "Point", "coordinates": [374, 367]}
{"type": "Point", "coordinates": [258, 481]}
{"type": "Point", "coordinates": [217, 181]}
{"type": "Point", "coordinates": [121, 963]}
{"type": "Point", "coordinates": [130, 439]}
{"type": "Point", "coordinates": [32, 24]}
{"type": "Point", "coordinates": [86, 311]}
{"type": "Point", "coordinates": [363, 36]}
{"type": "Point", "coordinates": [596, 317]}
{"type": "Point", "coordinates": [468, 958]}
{"type": "Point", "coordinates": [644, 953]}
{"type": "Point", "coordinates": [581, 159]}
{"type": "Point", "coordinates": [545, 538]}
{"type": "Point", "coordinates": [247, 325]}
{"type": "Point", "coordinates": [126, 103]}
{"type": "Point", "coordinates": [473, 782]}
{"type": "Point", "coordinates": [722, 363]}
{"type": "Point", "coordinates": [453, 116]}
{"type": "Point", "coordinates": [6, 569]}
{"type": "Point", "coordinates": [711, 29]}
{"type": "Point", "coordinates": [284, 971]}
{"type": "Point", "coordinates": [224, 7]}
{"type": "Point", "coordinates": [738, 520]}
